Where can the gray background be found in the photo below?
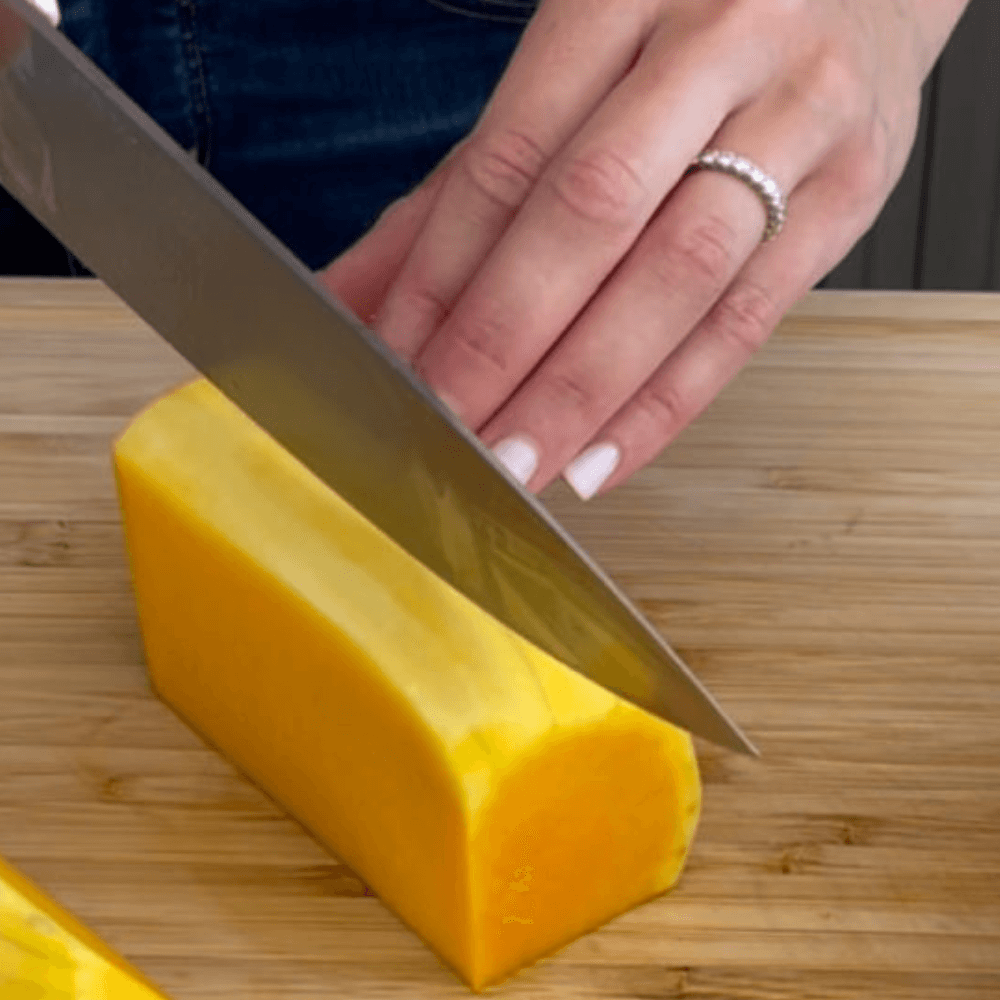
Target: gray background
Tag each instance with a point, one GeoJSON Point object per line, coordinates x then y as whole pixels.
{"type": "Point", "coordinates": [941, 227]}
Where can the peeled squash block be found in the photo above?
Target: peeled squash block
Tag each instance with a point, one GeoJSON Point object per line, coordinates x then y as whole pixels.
{"type": "Point", "coordinates": [497, 801]}
{"type": "Point", "coordinates": [45, 954]}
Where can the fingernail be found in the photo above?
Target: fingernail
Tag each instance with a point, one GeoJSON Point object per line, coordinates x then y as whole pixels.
{"type": "Point", "coordinates": [590, 470]}
{"type": "Point", "coordinates": [519, 457]}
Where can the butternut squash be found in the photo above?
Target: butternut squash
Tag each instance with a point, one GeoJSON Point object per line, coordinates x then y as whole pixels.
{"type": "Point", "coordinates": [497, 801]}
{"type": "Point", "coordinates": [46, 954]}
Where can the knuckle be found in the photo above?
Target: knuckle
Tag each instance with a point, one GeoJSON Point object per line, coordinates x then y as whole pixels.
{"type": "Point", "coordinates": [663, 408]}
{"type": "Point", "coordinates": [483, 345]}
{"type": "Point", "coordinates": [571, 391]}
{"type": "Point", "coordinates": [745, 317]}
{"type": "Point", "coordinates": [601, 187]}
{"type": "Point", "coordinates": [833, 89]}
{"type": "Point", "coordinates": [860, 177]}
{"type": "Point", "coordinates": [862, 180]}
{"type": "Point", "coordinates": [428, 304]}
{"type": "Point", "coordinates": [704, 251]}
{"type": "Point", "coordinates": [503, 167]}
{"type": "Point", "coordinates": [772, 24]}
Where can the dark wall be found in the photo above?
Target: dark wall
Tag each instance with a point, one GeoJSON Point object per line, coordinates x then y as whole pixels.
{"type": "Point", "coordinates": [941, 227]}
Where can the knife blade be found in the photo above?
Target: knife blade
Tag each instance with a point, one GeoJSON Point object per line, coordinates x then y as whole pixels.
{"type": "Point", "coordinates": [205, 274]}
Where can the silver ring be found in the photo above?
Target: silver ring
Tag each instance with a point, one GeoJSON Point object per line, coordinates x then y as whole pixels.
{"type": "Point", "coordinates": [763, 185]}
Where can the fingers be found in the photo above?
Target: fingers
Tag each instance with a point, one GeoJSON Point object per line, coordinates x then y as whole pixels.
{"type": "Point", "coordinates": [682, 263]}
{"type": "Point", "coordinates": [774, 278]}
{"type": "Point", "coordinates": [562, 292]}
{"type": "Point", "coordinates": [361, 275]}
{"type": "Point", "coordinates": [580, 220]}
{"type": "Point", "coordinates": [680, 266]}
{"type": "Point", "coordinates": [547, 92]}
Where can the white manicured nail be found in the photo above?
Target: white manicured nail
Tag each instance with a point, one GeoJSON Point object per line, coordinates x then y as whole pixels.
{"type": "Point", "coordinates": [590, 470]}
{"type": "Point", "coordinates": [519, 457]}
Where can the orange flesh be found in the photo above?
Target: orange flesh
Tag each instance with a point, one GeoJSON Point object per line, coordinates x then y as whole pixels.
{"type": "Point", "coordinates": [497, 801]}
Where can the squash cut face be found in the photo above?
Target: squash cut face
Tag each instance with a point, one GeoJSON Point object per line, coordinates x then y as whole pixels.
{"type": "Point", "coordinates": [497, 801]}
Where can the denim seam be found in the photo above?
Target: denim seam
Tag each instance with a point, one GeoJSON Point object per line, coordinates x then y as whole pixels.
{"type": "Point", "coordinates": [528, 8]}
{"type": "Point", "coordinates": [197, 80]}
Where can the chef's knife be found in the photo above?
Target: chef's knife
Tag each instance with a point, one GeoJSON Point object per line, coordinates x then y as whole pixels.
{"type": "Point", "coordinates": [206, 275]}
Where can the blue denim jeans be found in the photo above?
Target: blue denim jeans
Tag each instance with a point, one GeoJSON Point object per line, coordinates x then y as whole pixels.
{"type": "Point", "coordinates": [315, 114]}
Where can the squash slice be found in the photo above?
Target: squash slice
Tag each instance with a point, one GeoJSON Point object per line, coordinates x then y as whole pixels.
{"type": "Point", "coordinates": [497, 802]}
{"type": "Point", "coordinates": [46, 954]}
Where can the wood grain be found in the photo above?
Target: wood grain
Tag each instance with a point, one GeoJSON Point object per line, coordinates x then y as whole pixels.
{"type": "Point", "coordinates": [823, 546]}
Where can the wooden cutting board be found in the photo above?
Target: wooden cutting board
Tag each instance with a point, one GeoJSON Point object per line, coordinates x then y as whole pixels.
{"type": "Point", "coordinates": [823, 546]}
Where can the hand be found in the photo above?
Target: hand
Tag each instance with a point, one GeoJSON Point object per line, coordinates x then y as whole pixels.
{"type": "Point", "coordinates": [562, 283]}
